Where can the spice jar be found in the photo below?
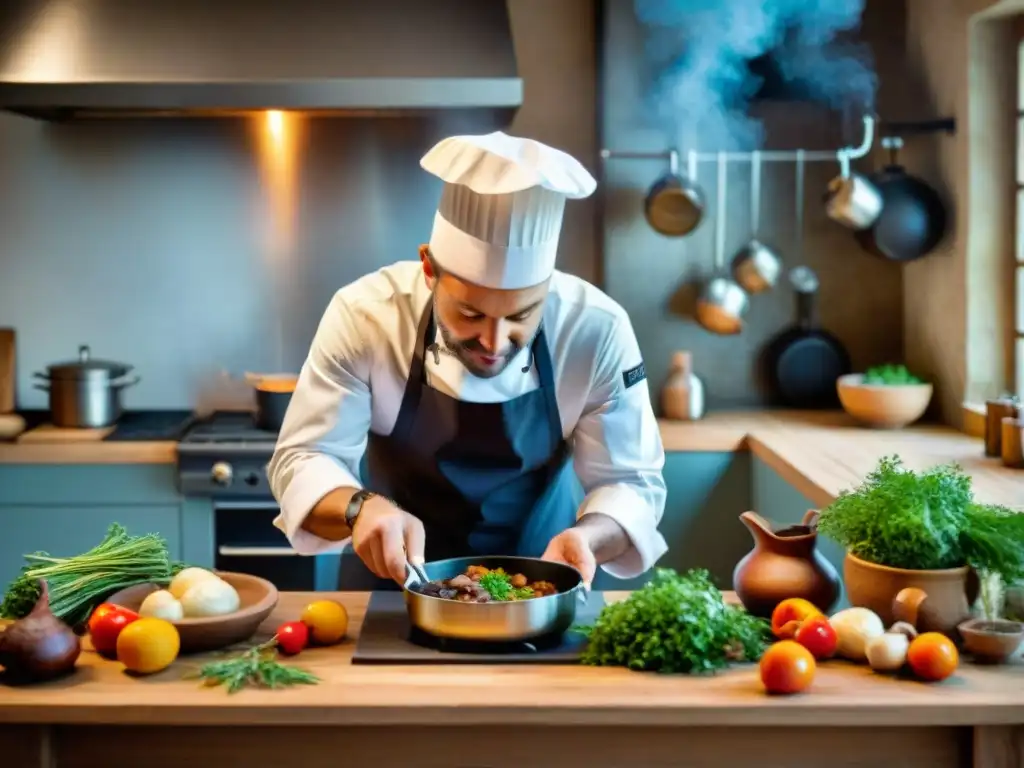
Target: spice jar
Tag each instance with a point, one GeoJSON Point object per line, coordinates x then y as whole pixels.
{"type": "Point", "coordinates": [1011, 439]}
{"type": "Point", "coordinates": [996, 410]}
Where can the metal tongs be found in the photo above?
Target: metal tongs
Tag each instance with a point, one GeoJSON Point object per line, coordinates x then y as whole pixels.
{"type": "Point", "coordinates": [414, 574]}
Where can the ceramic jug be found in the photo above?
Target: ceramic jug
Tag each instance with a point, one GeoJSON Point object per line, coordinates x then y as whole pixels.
{"type": "Point", "coordinates": [784, 563]}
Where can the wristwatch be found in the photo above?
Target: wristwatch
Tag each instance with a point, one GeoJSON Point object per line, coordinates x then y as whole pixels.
{"type": "Point", "coordinates": [355, 506]}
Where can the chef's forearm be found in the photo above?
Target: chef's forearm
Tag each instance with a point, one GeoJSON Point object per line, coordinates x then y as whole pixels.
{"type": "Point", "coordinates": [608, 540]}
{"type": "Point", "coordinates": [327, 518]}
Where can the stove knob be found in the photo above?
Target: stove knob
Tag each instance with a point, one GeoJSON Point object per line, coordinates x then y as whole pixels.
{"type": "Point", "coordinates": [221, 473]}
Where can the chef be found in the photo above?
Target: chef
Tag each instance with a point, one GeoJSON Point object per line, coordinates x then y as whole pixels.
{"type": "Point", "coordinates": [500, 406]}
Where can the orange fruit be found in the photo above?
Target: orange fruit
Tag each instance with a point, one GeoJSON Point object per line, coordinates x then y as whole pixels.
{"type": "Point", "coordinates": [789, 613]}
{"type": "Point", "coordinates": [150, 646]}
{"type": "Point", "coordinates": [327, 621]}
{"type": "Point", "coordinates": [787, 667]}
{"type": "Point", "coordinates": [932, 656]}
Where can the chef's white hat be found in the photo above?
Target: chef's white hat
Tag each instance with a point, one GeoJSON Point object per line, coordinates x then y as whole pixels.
{"type": "Point", "coordinates": [500, 214]}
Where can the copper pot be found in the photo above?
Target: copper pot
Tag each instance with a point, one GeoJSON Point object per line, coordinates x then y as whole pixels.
{"type": "Point", "coordinates": [932, 601]}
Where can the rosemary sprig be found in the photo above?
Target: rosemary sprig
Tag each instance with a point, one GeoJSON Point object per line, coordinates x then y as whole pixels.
{"type": "Point", "coordinates": [257, 666]}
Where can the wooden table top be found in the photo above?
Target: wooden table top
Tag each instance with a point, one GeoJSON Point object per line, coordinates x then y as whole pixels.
{"type": "Point", "coordinates": [843, 694]}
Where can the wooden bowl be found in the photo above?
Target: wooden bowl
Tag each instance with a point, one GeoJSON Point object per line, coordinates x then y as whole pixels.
{"type": "Point", "coordinates": [257, 597]}
{"type": "Point", "coordinates": [884, 406]}
{"type": "Point", "coordinates": [991, 642]}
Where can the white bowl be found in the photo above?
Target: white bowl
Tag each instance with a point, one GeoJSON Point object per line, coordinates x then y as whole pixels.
{"type": "Point", "coordinates": [885, 406]}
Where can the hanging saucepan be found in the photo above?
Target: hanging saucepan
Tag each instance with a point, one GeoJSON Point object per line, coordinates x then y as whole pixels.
{"type": "Point", "coordinates": [674, 205]}
{"type": "Point", "coordinates": [757, 266]}
{"type": "Point", "coordinates": [722, 302]}
{"type": "Point", "coordinates": [913, 219]}
{"type": "Point", "coordinates": [273, 394]}
{"type": "Point", "coordinates": [851, 199]}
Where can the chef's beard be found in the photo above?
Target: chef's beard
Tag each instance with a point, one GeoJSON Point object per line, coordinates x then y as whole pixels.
{"type": "Point", "coordinates": [464, 351]}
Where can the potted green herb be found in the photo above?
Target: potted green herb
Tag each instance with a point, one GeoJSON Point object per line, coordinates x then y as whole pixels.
{"type": "Point", "coordinates": [886, 396]}
{"type": "Point", "coordinates": [913, 536]}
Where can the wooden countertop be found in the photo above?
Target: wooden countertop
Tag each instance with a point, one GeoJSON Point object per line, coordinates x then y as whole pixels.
{"type": "Point", "coordinates": [843, 694]}
{"type": "Point", "coordinates": [819, 453]}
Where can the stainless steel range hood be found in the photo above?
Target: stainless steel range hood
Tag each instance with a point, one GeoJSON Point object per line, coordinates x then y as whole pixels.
{"type": "Point", "coordinates": [118, 58]}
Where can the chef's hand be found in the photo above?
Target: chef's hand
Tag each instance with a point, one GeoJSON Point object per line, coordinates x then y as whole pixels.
{"type": "Point", "coordinates": [573, 547]}
{"type": "Point", "coordinates": [383, 534]}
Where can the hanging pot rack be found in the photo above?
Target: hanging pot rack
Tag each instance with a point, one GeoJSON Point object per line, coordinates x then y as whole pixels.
{"type": "Point", "coordinates": [843, 155]}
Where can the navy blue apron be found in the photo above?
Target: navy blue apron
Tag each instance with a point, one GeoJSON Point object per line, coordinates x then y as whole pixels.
{"type": "Point", "coordinates": [484, 478]}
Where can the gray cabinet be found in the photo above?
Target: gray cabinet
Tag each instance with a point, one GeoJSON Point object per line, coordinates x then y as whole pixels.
{"type": "Point", "coordinates": [707, 492]}
{"type": "Point", "coordinates": [66, 510]}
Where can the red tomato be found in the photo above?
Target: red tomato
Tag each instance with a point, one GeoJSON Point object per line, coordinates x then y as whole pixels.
{"type": "Point", "coordinates": [102, 610]}
{"type": "Point", "coordinates": [292, 637]}
{"type": "Point", "coordinates": [787, 667]}
{"type": "Point", "coordinates": [105, 626]}
{"type": "Point", "coordinates": [817, 636]}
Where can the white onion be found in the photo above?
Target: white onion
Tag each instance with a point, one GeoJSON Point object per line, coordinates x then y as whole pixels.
{"type": "Point", "coordinates": [210, 597]}
{"type": "Point", "coordinates": [161, 605]}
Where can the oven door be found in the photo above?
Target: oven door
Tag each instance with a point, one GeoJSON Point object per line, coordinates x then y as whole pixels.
{"type": "Point", "coordinates": [248, 542]}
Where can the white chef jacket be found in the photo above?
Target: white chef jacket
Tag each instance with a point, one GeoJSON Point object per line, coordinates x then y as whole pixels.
{"type": "Point", "coordinates": [354, 379]}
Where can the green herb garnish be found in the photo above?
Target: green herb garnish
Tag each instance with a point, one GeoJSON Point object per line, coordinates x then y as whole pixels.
{"type": "Point", "coordinates": [925, 520]}
{"type": "Point", "coordinates": [499, 586]}
{"type": "Point", "coordinates": [257, 666]}
{"type": "Point", "coordinates": [890, 375]}
{"type": "Point", "coordinates": [675, 623]}
{"type": "Point", "coordinates": [77, 584]}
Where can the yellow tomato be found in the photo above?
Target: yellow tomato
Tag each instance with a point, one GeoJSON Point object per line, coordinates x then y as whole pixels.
{"type": "Point", "coordinates": [327, 621]}
{"type": "Point", "coordinates": [150, 647]}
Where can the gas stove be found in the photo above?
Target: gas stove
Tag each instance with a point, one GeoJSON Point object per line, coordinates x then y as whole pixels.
{"type": "Point", "coordinates": [225, 457]}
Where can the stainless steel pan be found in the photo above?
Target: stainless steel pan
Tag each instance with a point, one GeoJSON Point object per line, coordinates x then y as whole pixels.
{"type": "Point", "coordinates": [497, 621]}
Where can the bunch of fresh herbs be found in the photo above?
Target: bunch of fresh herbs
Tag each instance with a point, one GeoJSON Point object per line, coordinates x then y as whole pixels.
{"type": "Point", "coordinates": [925, 520]}
{"type": "Point", "coordinates": [258, 667]}
{"type": "Point", "coordinates": [77, 584]}
{"type": "Point", "coordinates": [675, 623]}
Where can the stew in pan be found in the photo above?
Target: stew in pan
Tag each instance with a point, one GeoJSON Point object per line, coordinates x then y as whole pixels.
{"type": "Point", "coordinates": [479, 584]}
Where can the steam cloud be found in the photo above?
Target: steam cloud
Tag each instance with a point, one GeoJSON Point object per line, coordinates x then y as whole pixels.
{"type": "Point", "coordinates": [701, 51]}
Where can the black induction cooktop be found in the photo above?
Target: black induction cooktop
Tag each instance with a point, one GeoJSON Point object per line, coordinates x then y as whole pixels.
{"type": "Point", "coordinates": [387, 637]}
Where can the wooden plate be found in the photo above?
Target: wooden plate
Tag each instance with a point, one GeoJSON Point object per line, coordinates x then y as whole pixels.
{"type": "Point", "coordinates": [257, 596]}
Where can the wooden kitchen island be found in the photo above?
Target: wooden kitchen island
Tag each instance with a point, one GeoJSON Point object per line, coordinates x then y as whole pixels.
{"type": "Point", "coordinates": [514, 716]}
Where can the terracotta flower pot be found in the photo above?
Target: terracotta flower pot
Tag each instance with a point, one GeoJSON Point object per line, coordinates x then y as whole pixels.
{"type": "Point", "coordinates": [933, 601]}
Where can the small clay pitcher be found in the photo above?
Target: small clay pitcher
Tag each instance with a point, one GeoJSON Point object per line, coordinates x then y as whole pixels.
{"type": "Point", "coordinates": [932, 601]}
{"type": "Point", "coordinates": [784, 563]}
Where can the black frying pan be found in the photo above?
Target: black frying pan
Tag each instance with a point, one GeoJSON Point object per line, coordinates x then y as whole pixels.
{"type": "Point", "coordinates": [674, 205]}
{"type": "Point", "coordinates": [802, 363]}
{"type": "Point", "coordinates": [913, 219]}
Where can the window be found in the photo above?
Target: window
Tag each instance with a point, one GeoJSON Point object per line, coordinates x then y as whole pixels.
{"type": "Point", "coordinates": [1018, 325]}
